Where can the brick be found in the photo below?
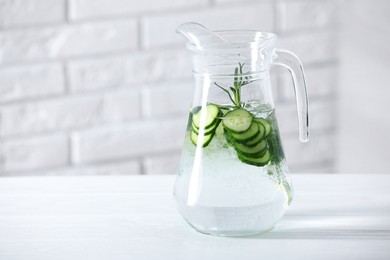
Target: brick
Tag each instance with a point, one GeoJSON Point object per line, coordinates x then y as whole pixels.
{"type": "Point", "coordinates": [84, 9]}
{"type": "Point", "coordinates": [158, 65]}
{"type": "Point", "coordinates": [127, 141]}
{"type": "Point", "coordinates": [298, 15]}
{"type": "Point", "coordinates": [68, 40]}
{"type": "Point", "coordinates": [30, 12]}
{"type": "Point", "coordinates": [96, 73]}
{"type": "Point", "coordinates": [132, 70]}
{"type": "Point", "coordinates": [314, 47]}
{"type": "Point", "coordinates": [168, 99]}
{"type": "Point", "coordinates": [69, 112]}
{"type": "Point", "coordinates": [25, 82]}
{"type": "Point", "coordinates": [162, 164]}
{"type": "Point", "coordinates": [158, 30]}
{"type": "Point", "coordinates": [322, 116]}
{"type": "Point", "coordinates": [321, 83]}
{"type": "Point", "coordinates": [36, 153]}
{"type": "Point", "coordinates": [320, 149]}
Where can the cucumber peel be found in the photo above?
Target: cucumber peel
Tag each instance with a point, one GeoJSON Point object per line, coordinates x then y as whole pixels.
{"type": "Point", "coordinates": [208, 130]}
{"type": "Point", "coordinates": [248, 135]}
{"type": "Point", "coordinates": [262, 160]}
{"type": "Point", "coordinates": [212, 114]}
{"type": "Point", "coordinates": [212, 120]}
{"type": "Point", "coordinates": [266, 125]}
{"type": "Point", "coordinates": [258, 138]}
{"type": "Point", "coordinates": [206, 139]}
{"type": "Point", "coordinates": [252, 152]}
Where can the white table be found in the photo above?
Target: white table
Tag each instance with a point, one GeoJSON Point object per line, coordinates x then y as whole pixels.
{"type": "Point", "coordinates": [133, 217]}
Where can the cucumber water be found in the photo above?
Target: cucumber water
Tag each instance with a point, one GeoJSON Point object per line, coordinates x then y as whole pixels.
{"type": "Point", "coordinates": [238, 169]}
{"type": "Point", "coordinates": [232, 178]}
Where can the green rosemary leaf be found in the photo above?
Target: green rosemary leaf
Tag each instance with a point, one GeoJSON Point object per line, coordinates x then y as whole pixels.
{"type": "Point", "coordinates": [239, 81]}
{"type": "Point", "coordinates": [236, 77]}
{"type": "Point", "coordinates": [227, 91]}
{"type": "Point", "coordinates": [241, 66]}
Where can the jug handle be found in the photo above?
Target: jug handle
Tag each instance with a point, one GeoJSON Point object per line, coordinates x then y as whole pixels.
{"type": "Point", "coordinates": [290, 61]}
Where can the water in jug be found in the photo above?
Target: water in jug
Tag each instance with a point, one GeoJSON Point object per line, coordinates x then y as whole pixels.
{"type": "Point", "coordinates": [233, 177]}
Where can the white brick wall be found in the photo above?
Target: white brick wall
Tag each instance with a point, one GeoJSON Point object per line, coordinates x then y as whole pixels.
{"type": "Point", "coordinates": [319, 151]}
{"type": "Point", "coordinates": [311, 48]}
{"type": "Point", "coordinates": [321, 79]}
{"type": "Point", "coordinates": [162, 164]}
{"type": "Point", "coordinates": [34, 153]}
{"type": "Point", "coordinates": [132, 70]}
{"type": "Point", "coordinates": [20, 13]}
{"type": "Point", "coordinates": [131, 140]}
{"type": "Point", "coordinates": [84, 9]}
{"type": "Point", "coordinates": [68, 40]}
{"type": "Point", "coordinates": [70, 112]}
{"type": "Point", "coordinates": [321, 116]}
{"type": "Point", "coordinates": [104, 86]}
{"type": "Point", "coordinates": [162, 100]}
{"type": "Point", "coordinates": [300, 15]}
{"type": "Point", "coordinates": [31, 81]}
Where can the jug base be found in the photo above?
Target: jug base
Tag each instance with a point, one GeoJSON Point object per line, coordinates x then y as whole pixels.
{"type": "Point", "coordinates": [232, 233]}
{"type": "Point", "coordinates": [233, 221]}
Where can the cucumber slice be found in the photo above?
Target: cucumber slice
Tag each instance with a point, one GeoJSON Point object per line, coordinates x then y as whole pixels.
{"type": "Point", "coordinates": [237, 121]}
{"type": "Point", "coordinates": [212, 114]}
{"type": "Point", "coordinates": [257, 161]}
{"type": "Point", "coordinates": [208, 130]}
{"type": "Point", "coordinates": [258, 137]}
{"type": "Point", "coordinates": [252, 152]}
{"type": "Point", "coordinates": [248, 135]}
{"type": "Point", "coordinates": [266, 125]}
{"type": "Point", "coordinates": [254, 141]}
{"type": "Point", "coordinates": [206, 138]}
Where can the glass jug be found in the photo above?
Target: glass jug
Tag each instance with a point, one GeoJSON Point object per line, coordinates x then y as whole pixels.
{"type": "Point", "coordinates": [232, 178]}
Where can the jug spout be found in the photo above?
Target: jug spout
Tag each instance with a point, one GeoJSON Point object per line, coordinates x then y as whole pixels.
{"type": "Point", "coordinates": [198, 35]}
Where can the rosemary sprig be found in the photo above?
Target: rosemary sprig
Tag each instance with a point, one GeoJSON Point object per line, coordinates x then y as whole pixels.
{"type": "Point", "coordinates": [239, 81]}
{"type": "Point", "coordinates": [227, 91]}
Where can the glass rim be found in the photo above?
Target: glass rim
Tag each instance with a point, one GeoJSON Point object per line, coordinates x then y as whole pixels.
{"type": "Point", "coordinates": [256, 39]}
